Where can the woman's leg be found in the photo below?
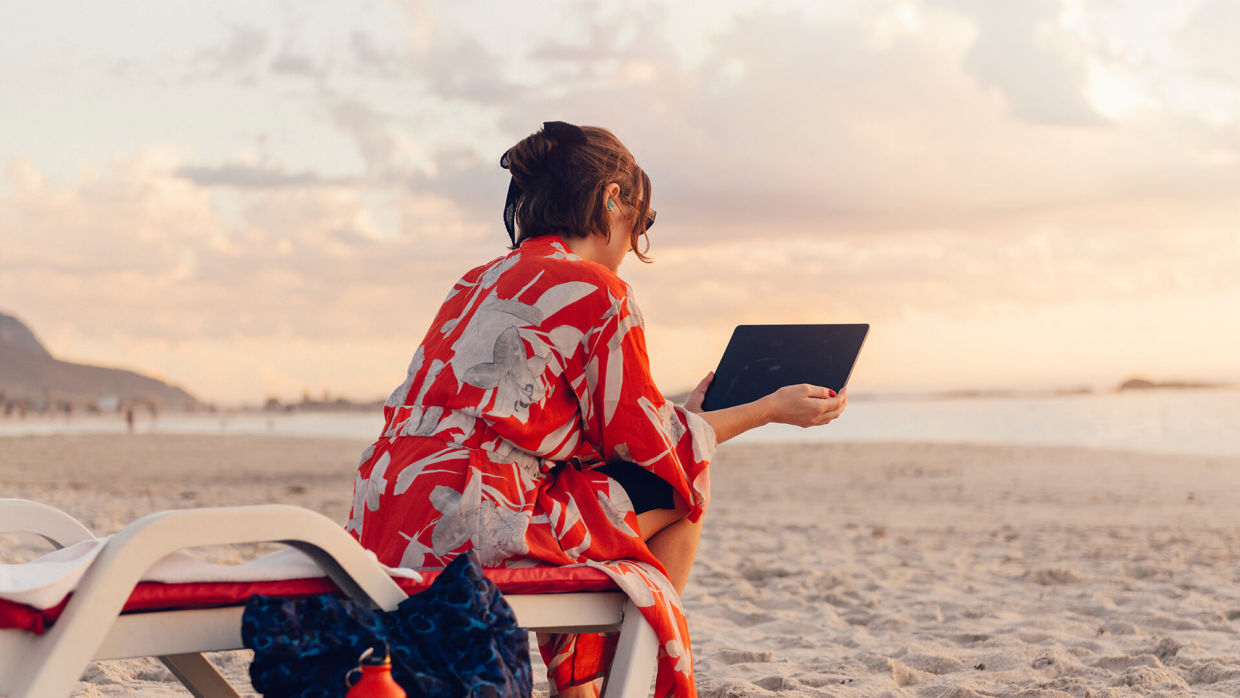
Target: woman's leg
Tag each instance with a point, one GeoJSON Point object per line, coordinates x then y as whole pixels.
{"type": "Point", "coordinates": [589, 689]}
{"type": "Point", "coordinates": [676, 546]}
{"type": "Point", "coordinates": [672, 539]}
{"type": "Point", "coordinates": [585, 690]}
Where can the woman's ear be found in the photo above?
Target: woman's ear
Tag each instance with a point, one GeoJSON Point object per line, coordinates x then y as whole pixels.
{"type": "Point", "coordinates": [611, 196]}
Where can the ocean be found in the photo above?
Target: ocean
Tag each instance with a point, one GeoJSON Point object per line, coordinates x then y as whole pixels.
{"type": "Point", "coordinates": [1202, 421]}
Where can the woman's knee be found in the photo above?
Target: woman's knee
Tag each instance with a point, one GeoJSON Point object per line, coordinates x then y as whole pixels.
{"type": "Point", "coordinates": [654, 520]}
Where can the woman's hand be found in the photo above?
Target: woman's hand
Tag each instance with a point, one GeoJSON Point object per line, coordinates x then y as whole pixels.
{"type": "Point", "coordinates": [693, 403]}
{"type": "Point", "coordinates": [804, 405]}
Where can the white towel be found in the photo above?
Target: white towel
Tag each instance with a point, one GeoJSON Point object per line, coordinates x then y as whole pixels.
{"type": "Point", "coordinates": [45, 581]}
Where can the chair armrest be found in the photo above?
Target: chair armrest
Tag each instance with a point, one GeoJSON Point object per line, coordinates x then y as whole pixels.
{"type": "Point", "coordinates": [54, 525]}
{"type": "Point", "coordinates": [102, 592]}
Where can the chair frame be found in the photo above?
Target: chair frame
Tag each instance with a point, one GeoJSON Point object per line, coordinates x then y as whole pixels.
{"type": "Point", "coordinates": [93, 626]}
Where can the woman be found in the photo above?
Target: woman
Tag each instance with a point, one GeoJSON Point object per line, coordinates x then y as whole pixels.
{"type": "Point", "coordinates": [529, 428]}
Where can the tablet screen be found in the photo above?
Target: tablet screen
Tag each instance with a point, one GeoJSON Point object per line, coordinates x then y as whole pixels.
{"type": "Point", "coordinates": [761, 359]}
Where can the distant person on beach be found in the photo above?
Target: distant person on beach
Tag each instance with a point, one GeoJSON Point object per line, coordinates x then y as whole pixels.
{"type": "Point", "coordinates": [529, 428]}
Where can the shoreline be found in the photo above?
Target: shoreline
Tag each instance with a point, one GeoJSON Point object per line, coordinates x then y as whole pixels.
{"type": "Point", "coordinates": [1184, 422]}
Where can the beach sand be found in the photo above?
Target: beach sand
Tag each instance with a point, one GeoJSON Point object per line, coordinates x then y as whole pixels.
{"type": "Point", "coordinates": [842, 569]}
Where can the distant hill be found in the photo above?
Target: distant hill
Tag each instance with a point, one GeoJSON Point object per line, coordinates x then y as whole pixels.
{"type": "Point", "coordinates": [16, 335]}
{"type": "Point", "coordinates": [1138, 383]}
{"type": "Point", "coordinates": [29, 371]}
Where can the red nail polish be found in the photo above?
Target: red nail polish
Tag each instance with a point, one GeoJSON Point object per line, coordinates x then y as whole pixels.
{"type": "Point", "coordinates": [830, 392]}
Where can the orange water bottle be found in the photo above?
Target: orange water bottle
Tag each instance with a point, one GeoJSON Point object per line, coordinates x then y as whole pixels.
{"type": "Point", "coordinates": [373, 679]}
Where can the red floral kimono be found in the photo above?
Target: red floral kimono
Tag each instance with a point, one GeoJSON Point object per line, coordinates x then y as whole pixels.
{"type": "Point", "coordinates": [533, 373]}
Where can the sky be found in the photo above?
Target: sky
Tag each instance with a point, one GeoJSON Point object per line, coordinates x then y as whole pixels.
{"type": "Point", "coordinates": [254, 199]}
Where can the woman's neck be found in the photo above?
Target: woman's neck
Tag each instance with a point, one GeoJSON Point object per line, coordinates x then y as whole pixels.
{"type": "Point", "coordinates": [599, 249]}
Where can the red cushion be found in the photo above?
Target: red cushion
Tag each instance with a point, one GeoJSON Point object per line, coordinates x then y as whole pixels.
{"type": "Point", "coordinates": [149, 596]}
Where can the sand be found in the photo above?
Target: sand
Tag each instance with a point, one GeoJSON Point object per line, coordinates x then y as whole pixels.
{"type": "Point", "coordinates": [843, 569]}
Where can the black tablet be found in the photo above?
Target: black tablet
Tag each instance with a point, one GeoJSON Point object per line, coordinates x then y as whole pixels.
{"type": "Point", "coordinates": [761, 359]}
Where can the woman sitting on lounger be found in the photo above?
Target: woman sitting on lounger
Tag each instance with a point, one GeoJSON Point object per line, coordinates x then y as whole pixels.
{"type": "Point", "coordinates": [529, 428]}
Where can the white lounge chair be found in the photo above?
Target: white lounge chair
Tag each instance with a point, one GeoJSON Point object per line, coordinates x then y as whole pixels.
{"type": "Point", "coordinates": [94, 623]}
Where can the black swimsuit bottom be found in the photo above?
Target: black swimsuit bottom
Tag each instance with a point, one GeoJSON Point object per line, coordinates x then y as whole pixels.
{"type": "Point", "coordinates": [646, 490]}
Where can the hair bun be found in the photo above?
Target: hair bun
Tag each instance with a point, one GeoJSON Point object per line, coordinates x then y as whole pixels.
{"type": "Point", "coordinates": [543, 152]}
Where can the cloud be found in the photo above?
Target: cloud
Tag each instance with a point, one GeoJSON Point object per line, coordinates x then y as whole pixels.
{"type": "Point", "coordinates": [141, 251]}
{"type": "Point", "coordinates": [464, 68]}
{"type": "Point", "coordinates": [841, 123]}
{"type": "Point", "coordinates": [1023, 51]}
{"type": "Point", "coordinates": [238, 52]}
{"type": "Point", "coordinates": [793, 123]}
{"type": "Point", "coordinates": [250, 176]}
{"type": "Point", "coordinates": [1208, 37]}
{"type": "Point", "coordinates": [798, 122]}
{"type": "Point", "coordinates": [1054, 258]}
{"type": "Point", "coordinates": [381, 150]}
{"type": "Point", "coordinates": [245, 53]}
{"type": "Point", "coordinates": [373, 57]}
{"type": "Point", "coordinates": [297, 64]}
{"type": "Point", "coordinates": [457, 175]}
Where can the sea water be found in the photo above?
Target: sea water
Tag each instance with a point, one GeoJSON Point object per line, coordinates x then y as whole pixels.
{"type": "Point", "coordinates": [1199, 421]}
{"type": "Point", "coordinates": [1205, 422]}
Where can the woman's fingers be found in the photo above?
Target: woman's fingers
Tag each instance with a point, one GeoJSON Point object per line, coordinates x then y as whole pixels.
{"type": "Point", "coordinates": [693, 403]}
{"type": "Point", "coordinates": [705, 382]}
{"type": "Point", "coordinates": [836, 404]}
{"type": "Point", "coordinates": [835, 410]}
{"type": "Point", "coordinates": [810, 405]}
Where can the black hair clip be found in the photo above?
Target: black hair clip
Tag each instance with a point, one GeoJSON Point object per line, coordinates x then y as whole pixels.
{"type": "Point", "coordinates": [510, 203]}
{"type": "Point", "coordinates": [564, 133]}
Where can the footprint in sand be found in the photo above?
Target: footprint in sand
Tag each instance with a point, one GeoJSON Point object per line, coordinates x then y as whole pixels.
{"type": "Point", "coordinates": [1148, 679]}
{"type": "Point", "coordinates": [744, 613]}
{"type": "Point", "coordinates": [1210, 672]}
{"type": "Point", "coordinates": [1054, 576]}
{"type": "Point", "coordinates": [932, 663]}
{"type": "Point", "coordinates": [1122, 663]}
{"type": "Point", "coordinates": [969, 638]}
{"type": "Point", "coordinates": [736, 656]}
{"type": "Point", "coordinates": [778, 683]}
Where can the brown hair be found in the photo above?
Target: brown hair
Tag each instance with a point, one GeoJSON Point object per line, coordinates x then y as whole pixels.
{"type": "Point", "coordinates": [558, 177]}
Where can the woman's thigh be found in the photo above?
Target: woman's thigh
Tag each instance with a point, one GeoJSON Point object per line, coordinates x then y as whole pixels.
{"type": "Point", "coordinates": [651, 522]}
{"type": "Point", "coordinates": [657, 505]}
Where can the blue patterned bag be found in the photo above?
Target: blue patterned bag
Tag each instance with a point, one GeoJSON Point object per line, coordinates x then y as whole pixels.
{"type": "Point", "coordinates": [457, 638]}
